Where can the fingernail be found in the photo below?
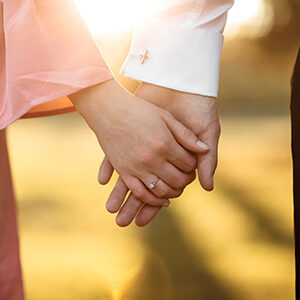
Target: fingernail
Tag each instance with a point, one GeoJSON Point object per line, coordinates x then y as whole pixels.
{"type": "Point", "coordinates": [202, 145]}
{"type": "Point", "coordinates": [166, 204]}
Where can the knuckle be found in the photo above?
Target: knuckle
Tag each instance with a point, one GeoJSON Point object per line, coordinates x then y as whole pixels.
{"type": "Point", "coordinates": [191, 165]}
{"type": "Point", "coordinates": [161, 193]}
{"type": "Point", "coordinates": [187, 133]}
{"type": "Point", "coordinates": [138, 193]}
{"type": "Point", "coordinates": [179, 184]}
{"type": "Point", "coordinates": [168, 115]}
{"type": "Point", "coordinates": [156, 202]}
{"type": "Point", "coordinates": [218, 129]}
{"type": "Point", "coordinates": [160, 146]}
{"type": "Point", "coordinates": [146, 158]}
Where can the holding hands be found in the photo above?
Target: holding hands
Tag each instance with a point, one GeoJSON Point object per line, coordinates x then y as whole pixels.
{"type": "Point", "coordinates": [161, 157]}
{"type": "Point", "coordinates": [144, 143]}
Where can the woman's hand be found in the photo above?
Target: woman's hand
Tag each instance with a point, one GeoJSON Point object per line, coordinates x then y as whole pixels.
{"type": "Point", "coordinates": [141, 140]}
{"type": "Point", "coordinates": [198, 113]}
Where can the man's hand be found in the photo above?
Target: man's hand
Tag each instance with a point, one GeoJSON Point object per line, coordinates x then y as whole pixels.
{"type": "Point", "coordinates": [197, 113]}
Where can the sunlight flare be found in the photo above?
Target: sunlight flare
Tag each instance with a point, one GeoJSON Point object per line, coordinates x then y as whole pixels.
{"type": "Point", "coordinates": [246, 18]}
{"type": "Point", "coordinates": [103, 16]}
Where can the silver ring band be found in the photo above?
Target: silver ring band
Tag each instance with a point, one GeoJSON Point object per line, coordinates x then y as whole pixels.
{"type": "Point", "coordinates": [153, 184]}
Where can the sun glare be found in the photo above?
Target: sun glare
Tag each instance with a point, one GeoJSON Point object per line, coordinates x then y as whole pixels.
{"type": "Point", "coordinates": [113, 16]}
{"type": "Point", "coordinates": [250, 18]}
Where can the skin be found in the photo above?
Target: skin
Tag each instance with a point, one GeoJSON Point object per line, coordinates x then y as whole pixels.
{"type": "Point", "coordinates": [196, 112]}
{"type": "Point", "coordinates": [145, 142]}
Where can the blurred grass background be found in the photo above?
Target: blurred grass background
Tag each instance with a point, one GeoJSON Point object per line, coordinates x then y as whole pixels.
{"type": "Point", "coordinates": [233, 243]}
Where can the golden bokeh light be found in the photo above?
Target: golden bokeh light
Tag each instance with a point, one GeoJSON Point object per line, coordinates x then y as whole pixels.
{"type": "Point", "coordinates": [249, 18]}
{"type": "Point", "coordinates": [118, 269]}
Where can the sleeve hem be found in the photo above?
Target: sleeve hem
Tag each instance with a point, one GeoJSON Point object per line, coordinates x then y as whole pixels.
{"type": "Point", "coordinates": [6, 120]}
{"type": "Point", "coordinates": [181, 58]}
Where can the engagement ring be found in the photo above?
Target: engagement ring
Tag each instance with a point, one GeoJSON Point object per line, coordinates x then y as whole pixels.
{"type": "Point", "coordinates": [153, 184]}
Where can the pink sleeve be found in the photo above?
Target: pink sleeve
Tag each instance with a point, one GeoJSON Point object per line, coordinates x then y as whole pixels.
{"type": "Point", "coordinates": [46, 52]}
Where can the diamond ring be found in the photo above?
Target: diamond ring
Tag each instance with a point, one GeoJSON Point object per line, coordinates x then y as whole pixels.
{"type": "Point", "coordinates": [153, 184]}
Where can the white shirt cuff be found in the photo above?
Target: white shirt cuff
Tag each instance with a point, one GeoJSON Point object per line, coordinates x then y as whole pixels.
{"type": "Point", "coordinates": [180, 58]}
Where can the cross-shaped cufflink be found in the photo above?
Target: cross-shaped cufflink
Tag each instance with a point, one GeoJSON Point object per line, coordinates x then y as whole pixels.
{"type": "Point", "coordinates": [144, 56]}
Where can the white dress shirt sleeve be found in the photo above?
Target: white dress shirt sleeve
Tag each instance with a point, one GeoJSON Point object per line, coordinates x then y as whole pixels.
{"type": "Point", "coordinates": [180, 47]}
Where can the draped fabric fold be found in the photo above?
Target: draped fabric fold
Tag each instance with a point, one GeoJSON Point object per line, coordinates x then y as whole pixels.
{"type": "Point", "coordinates": [46, 53]}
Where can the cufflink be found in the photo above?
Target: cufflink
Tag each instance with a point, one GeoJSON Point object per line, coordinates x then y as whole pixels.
{"type": "Point", "coordinates": [143, 56]}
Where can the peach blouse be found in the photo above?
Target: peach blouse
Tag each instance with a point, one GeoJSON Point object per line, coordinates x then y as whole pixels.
{"type": "Point", "coordinates": [46, 53]}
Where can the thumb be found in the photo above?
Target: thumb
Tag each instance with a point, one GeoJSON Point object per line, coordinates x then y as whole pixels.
{"type": "Point", "coordinates": [185, 136]}
{"type": "Point", "coordinates": [105, 172]}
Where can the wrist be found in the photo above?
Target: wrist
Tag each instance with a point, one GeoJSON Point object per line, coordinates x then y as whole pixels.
{"type": "Point", "coordinates": [93, 102]}
{"type": "Point", "coordinates": [157, 95]}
